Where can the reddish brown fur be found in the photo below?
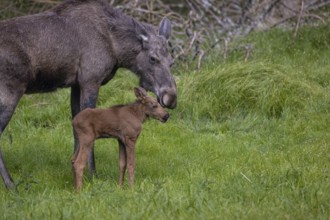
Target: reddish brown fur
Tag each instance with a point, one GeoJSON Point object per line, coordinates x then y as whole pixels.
{"type": "Point", "coordinates": [122, 122]}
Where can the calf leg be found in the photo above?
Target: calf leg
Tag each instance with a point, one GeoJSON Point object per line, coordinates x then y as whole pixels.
{"type": "Point", "coordinates": [80, 159]}
{"type": "Point", "coordinates": [81, 98]}
{"type": "Point", "coordinates": [122, 163]}
{"type": "Point", "coordinates": [130, 151]}
{"type": "Point", "coordinates": [8, 102]}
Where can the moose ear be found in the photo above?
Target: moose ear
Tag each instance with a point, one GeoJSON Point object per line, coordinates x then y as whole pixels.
{"type": "Point", "coordinates": [144, 40]}
{"type": "Point", "coordinates": [140, 93]}
{"type": "Point", "coordinates": [165, 28]}
{"type": "Point", "coordinates": [141, 33]}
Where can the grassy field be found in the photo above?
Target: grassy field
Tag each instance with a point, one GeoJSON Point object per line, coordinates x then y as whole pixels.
{"type": "Point", "coordinates": [249, 140]}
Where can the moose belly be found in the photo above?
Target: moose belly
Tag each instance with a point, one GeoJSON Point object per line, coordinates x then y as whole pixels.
{"type": "Point", "coordinates": [50, 81]}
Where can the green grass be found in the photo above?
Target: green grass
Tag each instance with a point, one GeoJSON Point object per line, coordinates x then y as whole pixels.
{"type": "Point", "coordinates": [248, 140]}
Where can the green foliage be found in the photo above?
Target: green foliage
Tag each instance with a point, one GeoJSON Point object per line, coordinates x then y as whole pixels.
{"type": "Point", "coordinates": [255, 87]}
{"type": "Point", "coordinates": [286, 75]}
{"type": "Point", "coordinates": [249, 140]}
{"type": "Point", "coordinates": [13, 8]}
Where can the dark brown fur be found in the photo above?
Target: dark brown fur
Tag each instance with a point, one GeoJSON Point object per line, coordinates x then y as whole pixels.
{"type": "Point", "coordinates": [122, 122]}
{"type": "Point", "coordinates": [79, 44]}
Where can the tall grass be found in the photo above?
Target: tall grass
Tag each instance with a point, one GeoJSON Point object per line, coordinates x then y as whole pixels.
{"type": "Point", "coordinates": [249, 140]}
{"type": "Point", "coordinates": [255, 87]}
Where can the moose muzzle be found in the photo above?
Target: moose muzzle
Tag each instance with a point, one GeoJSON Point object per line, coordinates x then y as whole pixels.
{"type": "Point", "coordinates": [168, 98]}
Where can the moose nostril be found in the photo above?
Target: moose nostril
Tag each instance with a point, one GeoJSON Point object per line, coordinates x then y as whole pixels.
{"type": "Point", "coordinates": [168, 101]}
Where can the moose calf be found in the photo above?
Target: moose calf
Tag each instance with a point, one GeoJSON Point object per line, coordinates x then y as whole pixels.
{"type": "Point", "coordinates": [123, 122]}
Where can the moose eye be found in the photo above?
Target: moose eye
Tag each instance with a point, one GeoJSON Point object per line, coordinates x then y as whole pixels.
{"type": "Point", "coordinates": [153, 60]}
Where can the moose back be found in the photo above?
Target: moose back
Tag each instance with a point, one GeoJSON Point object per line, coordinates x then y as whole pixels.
{"type": "Point", "coordinates": [80, 44]}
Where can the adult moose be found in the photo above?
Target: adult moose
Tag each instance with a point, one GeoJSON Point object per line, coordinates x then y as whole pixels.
{"type": "Point", "coordinates": [79, 44]}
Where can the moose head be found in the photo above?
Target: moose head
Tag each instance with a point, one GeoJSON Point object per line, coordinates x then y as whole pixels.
{"type": "Point", "coordinates": [153, 64]}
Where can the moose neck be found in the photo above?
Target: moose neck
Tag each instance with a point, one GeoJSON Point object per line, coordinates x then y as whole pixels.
{"type": "Point", "coordinates": [126, 53]}
{"type": "Point", "coordinates": [124, 33]}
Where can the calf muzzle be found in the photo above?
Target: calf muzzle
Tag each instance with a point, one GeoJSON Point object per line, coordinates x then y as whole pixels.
{"type": "Point", "coordinates": [165, 117]}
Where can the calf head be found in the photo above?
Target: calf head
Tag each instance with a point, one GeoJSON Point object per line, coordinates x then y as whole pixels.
{"type": "Point", "coordinates": [150, 105]}
{"type": "Point", "coordinates": [153, 65]}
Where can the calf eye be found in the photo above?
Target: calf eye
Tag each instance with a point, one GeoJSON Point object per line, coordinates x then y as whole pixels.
{"type": "Point", "coordinates": [152, 105]}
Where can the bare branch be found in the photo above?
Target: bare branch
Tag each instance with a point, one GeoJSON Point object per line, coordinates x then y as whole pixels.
{"type": "Point", "coordinates": [299, 19]}
{"type": "Point", "coordinates": [202, 26]}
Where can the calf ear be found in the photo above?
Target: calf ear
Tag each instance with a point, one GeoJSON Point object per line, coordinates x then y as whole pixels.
{"type": "Point", "coordinates": [165, 28]}
{"type": "Point", "coordinates": [140, 93]}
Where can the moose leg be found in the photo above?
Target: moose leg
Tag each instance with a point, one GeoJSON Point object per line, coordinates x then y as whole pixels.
{"type": "Point", "coordinates": [7, 108]}
{"type": "Point", "coordinates": [88, 98]}
{"type": "Point", "coordinates": [122, 163]}
{"type": "Point", "coordinates": [75, 109]}
{"type": "Point", "coordinates": [8, 181]}
{"type": "Point", "coordinates": [130, 151]}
